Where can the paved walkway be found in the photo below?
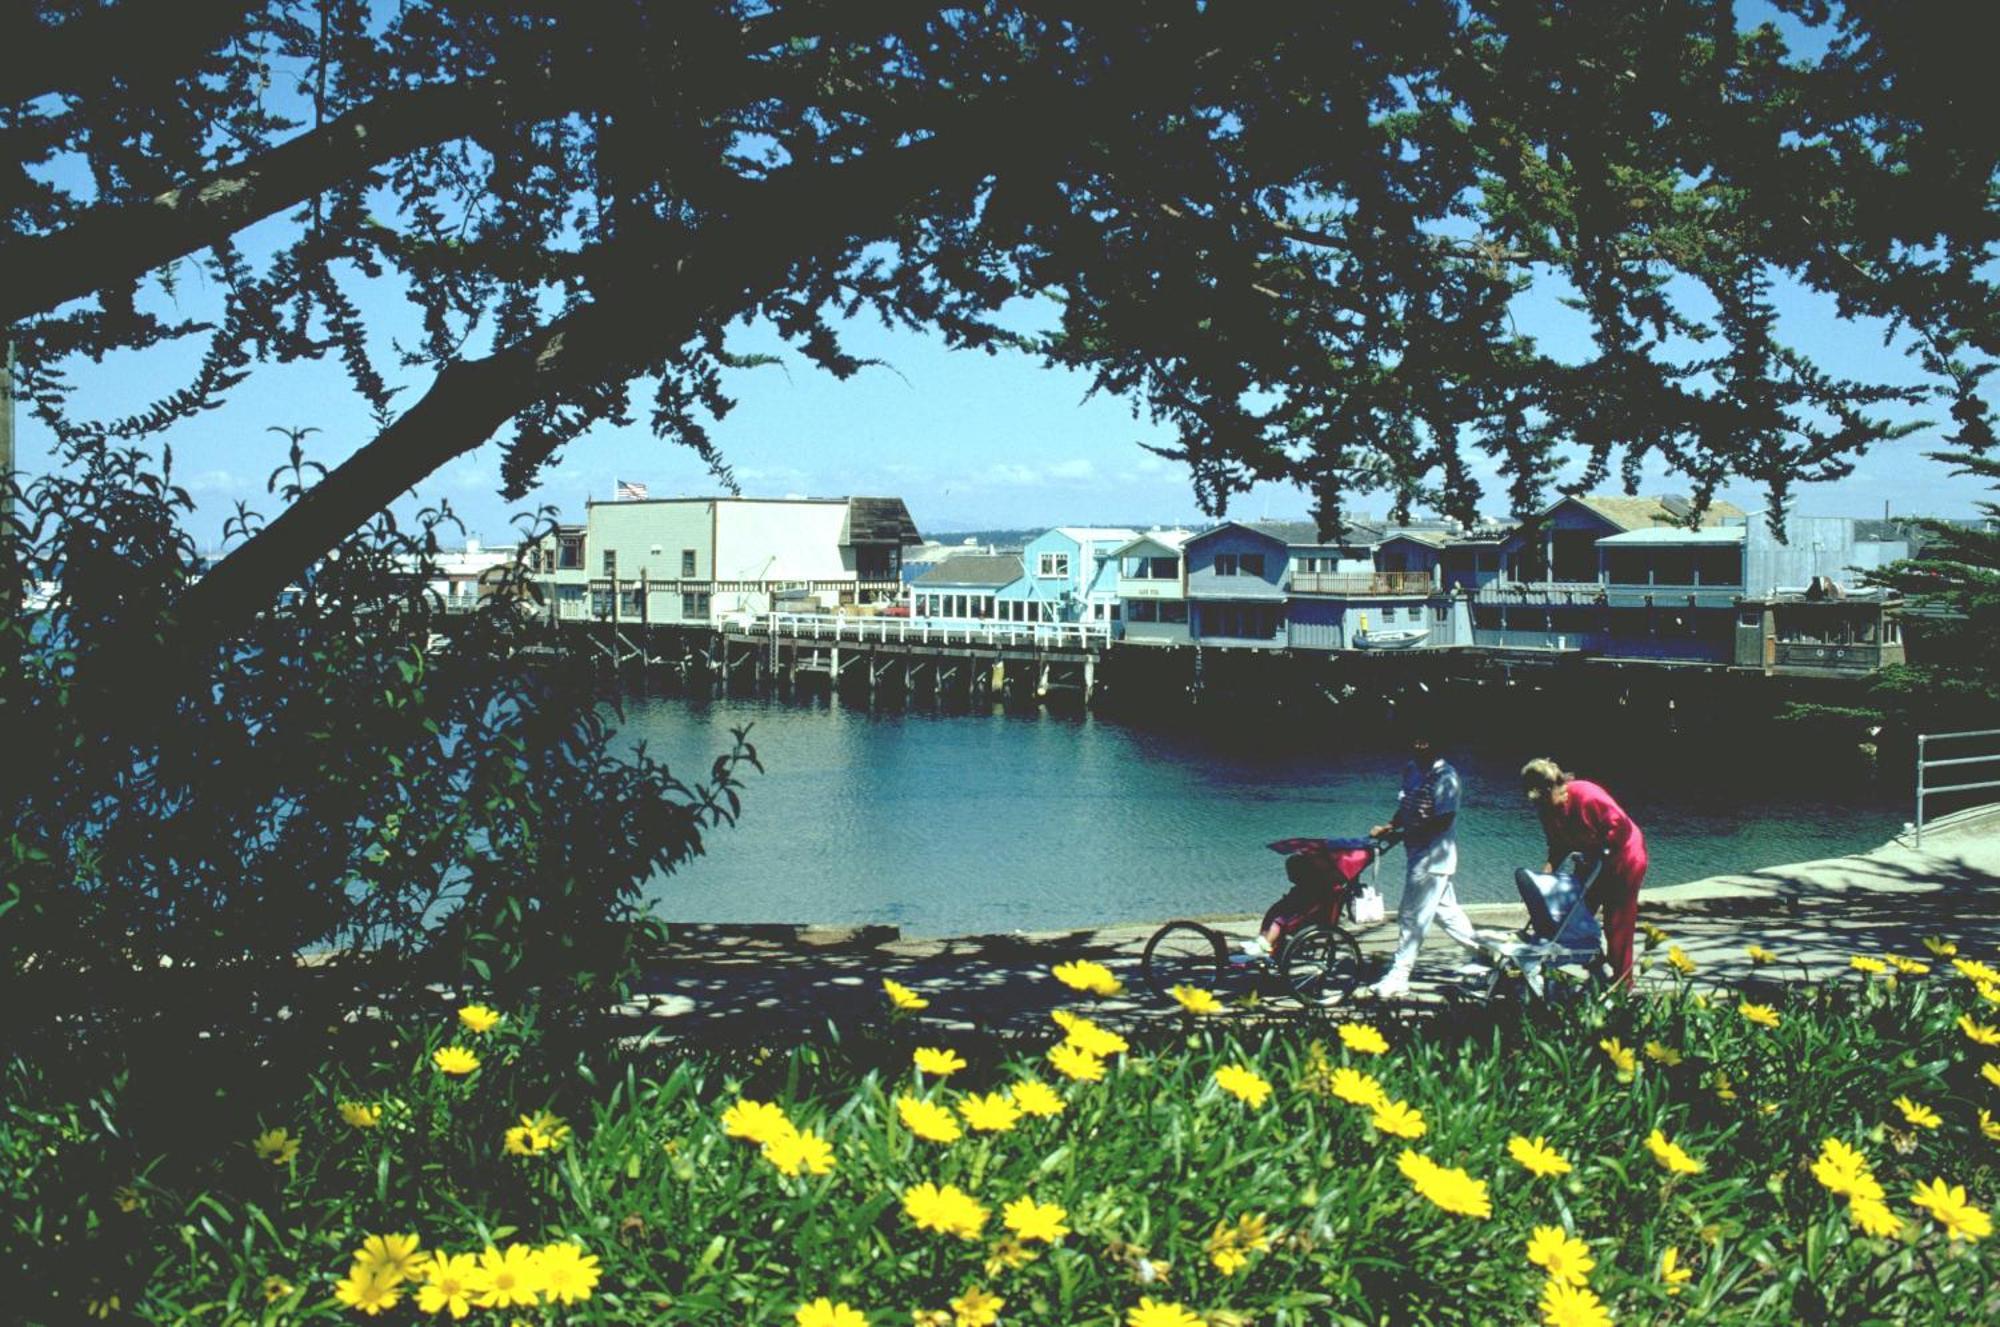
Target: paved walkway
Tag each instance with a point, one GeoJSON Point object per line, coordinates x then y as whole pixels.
{"type": "Point", "coordinates": [749, 982]}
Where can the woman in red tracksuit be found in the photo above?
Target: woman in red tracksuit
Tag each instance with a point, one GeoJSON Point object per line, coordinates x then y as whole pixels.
{"type": "Point", "coordinates": [1579, 816]}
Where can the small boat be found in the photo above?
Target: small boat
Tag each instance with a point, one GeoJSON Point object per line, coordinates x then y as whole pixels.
{"type": "Point", "coordinates": [1402, 639]}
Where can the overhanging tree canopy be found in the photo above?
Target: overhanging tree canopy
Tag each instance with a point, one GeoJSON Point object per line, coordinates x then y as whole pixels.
{"type": "Point", "coordinates": [1296, 233]}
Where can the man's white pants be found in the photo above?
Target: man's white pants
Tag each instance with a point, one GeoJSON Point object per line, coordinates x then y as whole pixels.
{"type": "Point", "coordinates": [1428, 895]}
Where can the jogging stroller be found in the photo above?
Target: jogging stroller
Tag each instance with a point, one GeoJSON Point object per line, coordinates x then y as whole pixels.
{"type": "Point", "coordinates": [1561, 931]}
{"type": "Point", "coordinates": [1326, 882]}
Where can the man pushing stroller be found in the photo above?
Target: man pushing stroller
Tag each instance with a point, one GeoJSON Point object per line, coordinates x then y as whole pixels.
{"type": "Point", "coordinates": [1426, 820]}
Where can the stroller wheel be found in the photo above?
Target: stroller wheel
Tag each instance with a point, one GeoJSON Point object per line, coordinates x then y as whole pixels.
{"type": "Point", "coordinates": [1320, 965]}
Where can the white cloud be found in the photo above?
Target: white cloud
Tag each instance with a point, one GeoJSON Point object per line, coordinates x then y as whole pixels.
{"type": "Point", "coordinates": [1080, 468]}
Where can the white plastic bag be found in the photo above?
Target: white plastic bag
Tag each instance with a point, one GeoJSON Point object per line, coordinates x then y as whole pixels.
{"type": "Point", "coordinates": [1366, 906]}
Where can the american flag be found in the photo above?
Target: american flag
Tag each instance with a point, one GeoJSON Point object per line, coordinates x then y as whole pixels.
{"type": "Point", "coordinates": [627, 491]}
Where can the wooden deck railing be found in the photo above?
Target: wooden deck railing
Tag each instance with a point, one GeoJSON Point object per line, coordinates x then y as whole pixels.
{"type": "Point", "coordinates": [837, 627]}
{"type": "Point", "coordinates": [1361, 582]}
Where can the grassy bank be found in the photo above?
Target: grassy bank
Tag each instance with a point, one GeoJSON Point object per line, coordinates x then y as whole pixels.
{"type": "Point", "coordinates": [1663, 1159]}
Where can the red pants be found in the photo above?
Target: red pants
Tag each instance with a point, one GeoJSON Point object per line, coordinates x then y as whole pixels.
{"type": "Point", "coordinates": [1615, 896]}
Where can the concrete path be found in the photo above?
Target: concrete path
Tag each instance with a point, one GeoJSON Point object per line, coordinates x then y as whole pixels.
{"type": "Point", "coordinates": [732, 984]}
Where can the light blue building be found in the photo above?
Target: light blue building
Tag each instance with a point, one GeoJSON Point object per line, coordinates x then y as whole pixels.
{"type": "Point", "coordinates": [1068, 574]}
{"type": "Point", "coordinates": [1152, 588]}
{"type": "Point", "coordinates": [1236, 586]}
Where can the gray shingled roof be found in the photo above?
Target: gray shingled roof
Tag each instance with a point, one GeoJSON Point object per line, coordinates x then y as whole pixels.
{"type": "Point", "coordinates": [974, 569]}
{"type": "Point", "coordinates": [1305, 534]}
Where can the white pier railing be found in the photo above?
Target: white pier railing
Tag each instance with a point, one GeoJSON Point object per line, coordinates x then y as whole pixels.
{"type": "Point", "coordinates": [924, 630]}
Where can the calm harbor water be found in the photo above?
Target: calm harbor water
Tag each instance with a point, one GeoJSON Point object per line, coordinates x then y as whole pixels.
{"type": "Point", "coordinates": [954, 823]}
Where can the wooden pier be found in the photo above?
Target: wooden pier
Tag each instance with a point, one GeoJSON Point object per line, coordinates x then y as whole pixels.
{"type": "Point", "coordinates": [969, 660]}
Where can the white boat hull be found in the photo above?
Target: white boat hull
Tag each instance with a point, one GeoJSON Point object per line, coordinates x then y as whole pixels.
{"type": "Point", "coordinates": [1391, 640]}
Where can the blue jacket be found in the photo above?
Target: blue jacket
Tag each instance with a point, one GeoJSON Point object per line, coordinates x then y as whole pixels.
{"type": "Point", "coordinates": [1427, 806]}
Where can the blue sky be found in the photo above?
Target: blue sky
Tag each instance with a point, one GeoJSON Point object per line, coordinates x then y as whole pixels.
{"type": "Point", "coordinates": [967, 440]}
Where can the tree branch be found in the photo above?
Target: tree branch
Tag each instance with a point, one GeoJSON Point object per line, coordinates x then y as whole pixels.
{"type": "Point", "coordinates": [122, 242]}
{"type": "Point", "coordinates": [37, 59]}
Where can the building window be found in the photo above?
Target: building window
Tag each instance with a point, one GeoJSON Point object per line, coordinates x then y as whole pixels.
{"type": "Point", "coordinates": [569, 553]}
{"type": "Point", "coordinates": [1174, 611]}
{"type": "Point", "coordinates": [1719, 566]}
{"type": "Point", "coordinates": [1052, 564]}
{"type": "Point", "coordinates": [694, 604]}
{"type": "Point", "coordinates": [687, 564]}
{"type": "Point", "coordinates": [628, 603]}
{"type": "Point", "coordinates": [1225, 564]}
{"type": "Point", "coordinates": [1252, 564]}
{"type": "Point", "coordinates": [610, 562]}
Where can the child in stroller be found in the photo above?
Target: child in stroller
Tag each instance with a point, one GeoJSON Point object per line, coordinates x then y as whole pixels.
{"type": "Point", "coordinates": [1561, 931]}
{"type": "Point", "coordinates": [1324, 873]}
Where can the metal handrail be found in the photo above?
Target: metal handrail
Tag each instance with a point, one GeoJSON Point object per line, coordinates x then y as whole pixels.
{"type": "Point", "coordinates": [1925, 763]}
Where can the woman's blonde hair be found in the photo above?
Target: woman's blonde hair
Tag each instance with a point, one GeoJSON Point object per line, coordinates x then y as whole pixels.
{"type": "Point", "coordinates": [1543, 774]}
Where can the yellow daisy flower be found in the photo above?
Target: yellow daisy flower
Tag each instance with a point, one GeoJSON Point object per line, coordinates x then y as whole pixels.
{"type": "Point", "coordinates": [799, 1151]}
{"type": "Point", "coordinates": [1950, 1208]}
{"type": "Point", "coordinates": [360, 1115]}
{"type": "Point", "coordinates": [1035, 1097]}
{"type": "Point", "coordinates": [1087, 1036]}
{"type": "Point", "coordinates": [568, 1273]}
{"type": "Point", "coordinates": [823, 1312]}
{"type": "Point", "coordinates": [755, 1121]}
{"type": "Point", "coordinates": [1670, 1154]}
{"type": "Point", "coordinates": [1571, 1306]}
{"type": "Point", "coordinates": [1399, 1119]}
{"type": "Point", "coordinates": [902, 997]}
{"type": "Point", "coordinates": [1671, 1272]}
{"type": "Point", "coordinates": [1088, 977]}
{"type": "Point", "coordinates": [938, 1063]}
{"type": "Point", "coordinates": [1619, 1054]}
{"type": "Point", "coordinates": [1535, 1156]}
{"type": "Point", "coordinates": [992, 1113]}
{"type": "Point", "coordinates": [1760, 1014]}
{"type": "Point", "coordinates": [1357, 1088]}
{"type": "Point", "coordinates": [1979, 1034]}
{"type": "Point", "coordinates": [1363, 1039]}
{"type": "Point", "coordinates": [1030, 1220]}
{"type": "Point", "coordinates": [478, 1018]}
{"type": "Point", "coordinates": [506, 1279]}
{"type": "Point", "coordinates": [392, 1257]}
{"type": "Point", "coordinates": [1941, 947]}
{"type": "Point", "coordinates": [1151, 1312]}
{"type": "Point", "coordinates": [928, 1120]}
{"type": "Point", "coordinates": [1195, 1000]}
{"type": "Point", "coordinates": [1445, 1187]}
{"type": "Point", "coordinates": [976, 1308]}
{"type": "Point", "coordinates": [367, 1294]}
{"type": "Point", "coordinates": [1243, 1084]}
{"type": "Point", "coordinates": [1678, 960]}
{"type": "Point", "coordinates": [1871, 1216]}
{"type": "Point", "coordinates": [1073, 1062]}
{"type": "Point", "coordinates": [1564, 1257]}
{"type": "Point", "coordinates": [447, 1286]}
{"type": "Point", "coordinates": [1923, 1117]}
{"type": "Point", "coordinates": [1873, 966]}
{"type": "Point", "coordinates": [455, 1060]}
{"type": "Point", "coordinates": [948, 1210]}
{"type": "Point", "coordinates": [276, 1146]}
{"type": "Point", "coordinates": [1661, 1053]}
{"type": "Point", "coordinates": [1761, 957]}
